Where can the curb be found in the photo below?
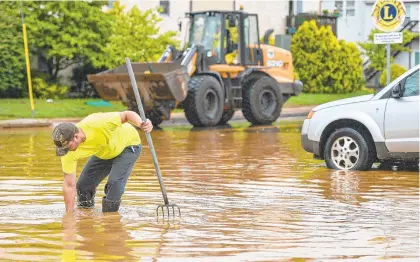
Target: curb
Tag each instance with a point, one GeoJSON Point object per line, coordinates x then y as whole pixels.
{"type": "Point", "coordinates": [25, 123]}
{"type": "Point", "coordinates": [176, 119]}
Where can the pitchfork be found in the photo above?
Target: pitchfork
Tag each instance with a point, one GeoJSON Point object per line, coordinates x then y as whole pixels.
{"type": "Point", "coordinates": [152, 149]}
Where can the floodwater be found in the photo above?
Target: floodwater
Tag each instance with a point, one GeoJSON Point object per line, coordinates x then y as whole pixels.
{"type": "Point", "coordinates": [246, 194]}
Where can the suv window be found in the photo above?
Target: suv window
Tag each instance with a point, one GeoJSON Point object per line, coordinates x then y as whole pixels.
{"type": "Point", "coordinates": [411, 85]}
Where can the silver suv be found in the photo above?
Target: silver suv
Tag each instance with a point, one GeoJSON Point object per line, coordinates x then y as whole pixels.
{"type": "Point", "coordinates": [354, 133]}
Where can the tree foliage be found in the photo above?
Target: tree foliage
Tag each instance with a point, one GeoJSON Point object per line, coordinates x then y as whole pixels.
{"type": "Point", "coordinates": [80, 33]}
{"type": "Point", "coordinates": [396, 71]}
{"type": "Point", "coordinates": [377, 53]}
{"type": "Point", "coordinates": [135, 34]}
{"type": "Point", "coordinates": [324, 64]}
{"type": "Point", "coordinates": [12, 58]}
{"type": "Point", "coordinates": [67, 32]}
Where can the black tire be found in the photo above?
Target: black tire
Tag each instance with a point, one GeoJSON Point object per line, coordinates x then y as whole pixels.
{"type": "Point", "coordinates": [153, 116]}
{"type": "Point", "coordinates": [226, 116]}
{"type": "Point", "coordinates": [204, 103]}
{"type": "Point", "coordinates": [347, 142]}
{"type": "Point", "coordinates": [262, 101]}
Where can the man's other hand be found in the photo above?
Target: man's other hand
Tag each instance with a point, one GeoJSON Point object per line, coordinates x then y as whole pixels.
{"type": "Point", "coordinates": [146, 126]}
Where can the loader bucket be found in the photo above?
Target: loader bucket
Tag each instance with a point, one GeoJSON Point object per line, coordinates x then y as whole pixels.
{"type": "Point", "coordinates": [166, 81]}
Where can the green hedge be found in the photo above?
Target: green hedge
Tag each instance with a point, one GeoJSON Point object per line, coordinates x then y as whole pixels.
{"type": "Point", "coordinates": [323, 63]}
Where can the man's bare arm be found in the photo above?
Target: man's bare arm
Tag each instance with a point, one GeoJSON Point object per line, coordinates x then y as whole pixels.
{"type": "Point", "coordinates": [69, 191]}
{"type": "Point", "coordinates": [130, 116]}
{"type": "Point", "coordinates": [134, 118]}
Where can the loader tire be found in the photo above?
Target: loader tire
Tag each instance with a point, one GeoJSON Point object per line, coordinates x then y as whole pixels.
{"type": "Point", "coordinates": [154, 117]}
{"type": "Point", "coordinates": [226, 116]}
{"type": "Point", "coordinates": [204, 103]}
{"type": "Point", "coordinates": [262, 101]}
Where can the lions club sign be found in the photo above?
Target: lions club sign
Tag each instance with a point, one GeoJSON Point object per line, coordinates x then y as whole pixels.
{"type": "Point", "coordinates": [388, 15]}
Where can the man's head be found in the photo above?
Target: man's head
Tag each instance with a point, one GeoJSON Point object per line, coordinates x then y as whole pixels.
{"type": "Point", "coordinates": [66, 137]}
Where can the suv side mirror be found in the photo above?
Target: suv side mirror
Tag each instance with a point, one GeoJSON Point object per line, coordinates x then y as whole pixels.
{"type": "Point", "coordinates": [397, 91]}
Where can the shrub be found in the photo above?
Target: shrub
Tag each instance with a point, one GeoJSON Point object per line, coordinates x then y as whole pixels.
{"type": "Point", "coordinates": [396, 71]}
{"type": "Point", "coordinates": [44, 88]}
{"type": "Point", "coordinates": [324, 64]}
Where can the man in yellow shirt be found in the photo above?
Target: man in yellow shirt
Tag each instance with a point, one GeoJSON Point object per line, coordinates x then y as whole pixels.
{"type": "Point", "coordinates": [112, 144]}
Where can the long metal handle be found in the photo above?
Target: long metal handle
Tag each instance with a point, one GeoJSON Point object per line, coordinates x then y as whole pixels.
{"type": "Point", "coordinates": [149, 138]}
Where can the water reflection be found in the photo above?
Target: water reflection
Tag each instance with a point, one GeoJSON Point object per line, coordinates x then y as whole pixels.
{"type": "Point", "coordinates": [101, 236]}
{"type": "Point", "coordinates": [345, 187]}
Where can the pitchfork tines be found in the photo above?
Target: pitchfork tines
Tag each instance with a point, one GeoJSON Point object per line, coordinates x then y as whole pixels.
{"type": "Point", "coordinates": [168, 207]}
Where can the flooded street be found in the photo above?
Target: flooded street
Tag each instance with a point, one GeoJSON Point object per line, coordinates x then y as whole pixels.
{"type": "Point", "coordinates": [245, 193]}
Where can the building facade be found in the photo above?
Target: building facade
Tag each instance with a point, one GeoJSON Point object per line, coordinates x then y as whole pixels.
{"type": "Point", "coordinates": [271, 13]}
{"type": "Point", "coordinates": [353, 23]}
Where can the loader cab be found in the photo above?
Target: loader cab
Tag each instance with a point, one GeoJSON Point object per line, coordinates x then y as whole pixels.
{"type": "Point", "coordinates": [230, 38]}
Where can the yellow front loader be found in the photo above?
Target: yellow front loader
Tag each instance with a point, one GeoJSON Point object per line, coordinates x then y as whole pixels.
{"type": "Point", "coordinates": [223, 69]}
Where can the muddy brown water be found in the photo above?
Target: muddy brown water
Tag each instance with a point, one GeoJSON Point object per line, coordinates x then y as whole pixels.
{"type": "Point", "coordinates": [246, 194]}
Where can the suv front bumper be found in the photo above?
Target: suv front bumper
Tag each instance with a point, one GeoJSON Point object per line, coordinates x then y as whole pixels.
{"type": "Point", "coordinates": [307, 144]}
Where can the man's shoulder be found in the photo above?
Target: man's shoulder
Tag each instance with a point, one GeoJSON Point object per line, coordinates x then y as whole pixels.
{"type": "Point", "coordinates": [99, 117]}
{"type": "Point", "coordinates": [92, 116]}
{"type": "Point", "coordinates": [101, 120]}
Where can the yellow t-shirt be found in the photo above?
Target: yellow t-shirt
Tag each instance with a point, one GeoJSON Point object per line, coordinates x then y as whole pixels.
{"type": "Point", "coordinates": [106, 138]}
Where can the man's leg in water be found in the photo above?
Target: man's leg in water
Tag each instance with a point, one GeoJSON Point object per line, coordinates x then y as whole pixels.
{"type": "Point", "coordinates": [121, 168]}
{"type": "Point", "coordinates": [93, 173]}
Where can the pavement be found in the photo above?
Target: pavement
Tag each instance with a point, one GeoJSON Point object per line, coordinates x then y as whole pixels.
{"type": "Point", "coordinates": [176, 119]}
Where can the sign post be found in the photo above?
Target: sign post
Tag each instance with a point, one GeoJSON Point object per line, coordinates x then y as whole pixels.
{"type": "Point", "coordinates": [388, 64]}
{"type": "Point", "coordinates": [388, 16]}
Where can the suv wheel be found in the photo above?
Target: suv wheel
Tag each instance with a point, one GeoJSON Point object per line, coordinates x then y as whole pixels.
{"type": "Point", "coordinates": [348, 149]}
